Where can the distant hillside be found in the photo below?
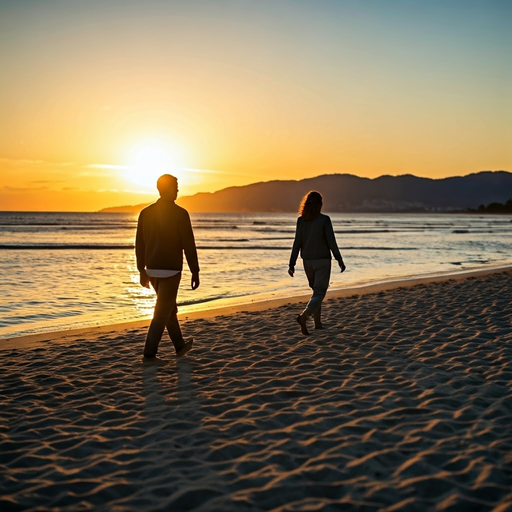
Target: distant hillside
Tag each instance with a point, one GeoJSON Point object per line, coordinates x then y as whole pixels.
{"type": "Point", "coordinates": [348, 193]}
{"type": "Point", "coordinates": [494, 208]}
{"type": "Point", "coordinates": [135, 208]}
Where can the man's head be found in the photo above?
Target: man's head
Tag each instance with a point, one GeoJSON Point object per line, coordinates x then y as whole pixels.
{"type": "Point", "coordinates": [167, 185]}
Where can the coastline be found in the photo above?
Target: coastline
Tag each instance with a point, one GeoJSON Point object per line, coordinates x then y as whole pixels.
{"type": "Point", "coordinates": [376, 247]}
{"type": "Point", "coordinates": [68, 336]}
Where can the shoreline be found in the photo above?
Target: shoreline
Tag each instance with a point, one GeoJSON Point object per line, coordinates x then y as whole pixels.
{"type": "Point", "coordinates": [32, 340]}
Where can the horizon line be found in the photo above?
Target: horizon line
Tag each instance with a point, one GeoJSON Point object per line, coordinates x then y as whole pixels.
{"type": "Point", "coordinates": [274, 181]}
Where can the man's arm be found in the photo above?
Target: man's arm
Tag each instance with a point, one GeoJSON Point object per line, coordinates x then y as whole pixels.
{"type": "Point", "coordinates": [140, 253]}
{"type": "Point", "coordinates": [189, 247]}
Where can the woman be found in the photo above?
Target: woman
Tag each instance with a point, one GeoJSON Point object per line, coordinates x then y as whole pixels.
{"type": "Point", "coordinates": [314, 238]}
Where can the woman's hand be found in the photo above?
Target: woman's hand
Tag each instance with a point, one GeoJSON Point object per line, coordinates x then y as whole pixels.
{"type": "Point", "coordinates": [291, 271]}
{"type": "Point", "coordinates": [342, 266]}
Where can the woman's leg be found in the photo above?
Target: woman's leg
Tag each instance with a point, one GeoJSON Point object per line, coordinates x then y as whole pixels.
{"type": "Point", "coordinates": [309, 269]}
{"type": "Point", "coordinates": [317, 318]}
{"type": "Point", "coordinates": [321, 275]}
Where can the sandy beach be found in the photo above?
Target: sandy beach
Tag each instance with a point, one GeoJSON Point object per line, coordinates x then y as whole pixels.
{"type": "Point", "coordinates": [402, 403]}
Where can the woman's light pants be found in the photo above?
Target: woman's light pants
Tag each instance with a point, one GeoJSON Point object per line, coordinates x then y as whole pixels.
{"type": "Point", "coordinates": [318, 273]}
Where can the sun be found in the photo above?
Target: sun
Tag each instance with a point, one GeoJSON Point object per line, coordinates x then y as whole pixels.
{"type": "Point", "coordinates": [148, 160]}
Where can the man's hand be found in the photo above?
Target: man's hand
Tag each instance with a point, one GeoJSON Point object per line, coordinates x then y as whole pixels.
{"type": "Point", "coordinates": [144, 279]}
{"type": "Point", "coordinates": [342, 266]}
{"type": "Point", "coordinates": [291, 271]}
{"type": "Point", "coordinates": [194, 282]}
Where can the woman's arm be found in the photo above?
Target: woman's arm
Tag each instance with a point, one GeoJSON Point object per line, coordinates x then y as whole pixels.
{"type": "Point", "coordinates": [296, 247]}
{"type": "Point", "coordinates": [331, 242]}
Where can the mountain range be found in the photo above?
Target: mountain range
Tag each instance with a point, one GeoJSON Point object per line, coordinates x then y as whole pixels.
{"type": "Point", "coordinates": [349, 193]}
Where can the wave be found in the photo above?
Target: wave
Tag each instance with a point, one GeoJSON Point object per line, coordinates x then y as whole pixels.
{"type": "Point", "coordinates": [237, 239]}
{"type": "Point", "coordinates": [243, 248]}
{"type": "Point", "coordinates": [280, 238]}
{"type": "Point", "coordinates": [341, 231]}
{"type": "Point", "coordinates": [45, 247]}
{"type": "Point", "coordinates": [378, 249]}
{"type": "Point", "coordinates": [198, 227]}
{"type": "Point", "coordinates": [192, 302]}
{"type": "Point", "coordinates": [64, 227]}
{"type": "Point", "coordinates": [110, 247]}
{"type": "Point", "coordinates": [73, 221]}
{"type": "Point", "coordinates": [101, 227]}
{"type": "Point", "coordinates": [273, 230]}
{"type": "Point", "coordinates": [366, 231]}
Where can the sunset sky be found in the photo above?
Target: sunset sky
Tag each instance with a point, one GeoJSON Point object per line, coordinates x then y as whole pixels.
{"type": "Point", "coordinates": [99, 97]}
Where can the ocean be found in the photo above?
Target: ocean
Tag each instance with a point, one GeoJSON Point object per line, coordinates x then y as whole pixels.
{"type": "Point", "coordinates": [67, 270]}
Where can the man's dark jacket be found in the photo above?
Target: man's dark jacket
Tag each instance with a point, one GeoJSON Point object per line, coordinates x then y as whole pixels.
{"type": "Point", "coordinates": [164, 231]}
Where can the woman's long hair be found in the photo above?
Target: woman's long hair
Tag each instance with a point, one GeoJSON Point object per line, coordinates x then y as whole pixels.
{"type": "Point", "coordinates": [311, 205]}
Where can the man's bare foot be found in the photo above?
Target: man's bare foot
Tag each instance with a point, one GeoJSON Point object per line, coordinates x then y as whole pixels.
{"type": "Point", "coordinates": [183, 350]}
{"type": "Point", "coordinates": [303, 327]}
{"type": "Point", "coordinates": [153, 360]}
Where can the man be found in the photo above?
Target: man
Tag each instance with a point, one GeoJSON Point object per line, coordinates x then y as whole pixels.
{"type": "Point", "coordinates": [164, 232]}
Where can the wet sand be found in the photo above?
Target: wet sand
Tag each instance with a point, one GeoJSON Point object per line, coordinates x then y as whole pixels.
{"type": "Point", "coordinates": [403, 402]}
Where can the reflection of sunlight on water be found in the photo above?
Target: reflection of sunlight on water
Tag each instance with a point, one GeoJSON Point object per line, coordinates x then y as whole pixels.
{"type": "Point", "coordinates": [62, 289]}
{"type": "Point", "coordinates": [143, 298]}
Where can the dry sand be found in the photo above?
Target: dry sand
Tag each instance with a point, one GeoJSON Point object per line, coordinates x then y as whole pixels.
{"type": "Point", "coordinates": [403, 402]}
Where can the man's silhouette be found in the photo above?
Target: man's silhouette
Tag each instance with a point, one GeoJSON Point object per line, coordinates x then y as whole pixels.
{"type": "Point", "coordinates": [164, 232]}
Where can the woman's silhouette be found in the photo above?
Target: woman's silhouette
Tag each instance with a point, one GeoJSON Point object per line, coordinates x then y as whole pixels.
{"type": "Point", "coordinates": [314, 238]}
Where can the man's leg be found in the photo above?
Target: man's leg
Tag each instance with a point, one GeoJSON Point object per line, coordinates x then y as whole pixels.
{"type": "Point", "coordinates": [174, 330]}
{"type": "Point", "coordinates": [166, 294]}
